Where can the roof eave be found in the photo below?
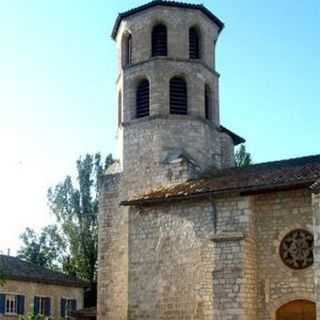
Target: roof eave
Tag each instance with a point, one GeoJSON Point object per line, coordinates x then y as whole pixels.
{"type": "Point", "coordinates": [62, 283]}
{"type": "Point", "coordinates": [152, 4]}
{"type": "Point", "coordinates": [241, 191]}
{"type": "Point", "coordinates": [235, 138]}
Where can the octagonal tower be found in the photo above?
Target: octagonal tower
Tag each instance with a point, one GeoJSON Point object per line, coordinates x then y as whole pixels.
{"type": "Point", "coordinates": [168, 93]}
{"type": "Point", "coordinates": [168, 132]}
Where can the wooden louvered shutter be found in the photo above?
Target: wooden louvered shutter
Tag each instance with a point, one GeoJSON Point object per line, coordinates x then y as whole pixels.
{"type": "Point", "coordinates": [178, 96]}
{"type": "Point", "coordinates": [20, 301]}
{"type": "Point", "coordinates": [47, 307]}
{"type": "Point", "coordinates": [194, 44]}
{"type": "Point", "coordinates": [143, 99]}
{"type": "Point", "coordinates": [36, 305]}
{"type": "Point", "coordinates": [63, 307]}
{"type": "Point", "coordinates": [207, 102]}
{"type": "Point", "coordinates": [159, 41]}
{"type": "Point", "coordinates": [2, 303]}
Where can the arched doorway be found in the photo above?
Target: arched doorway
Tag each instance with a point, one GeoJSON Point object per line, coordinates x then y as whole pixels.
{"type": "Point", "coordinates": [297, 310]}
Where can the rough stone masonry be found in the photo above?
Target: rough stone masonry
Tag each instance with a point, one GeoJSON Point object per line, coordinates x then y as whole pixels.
{"type": "Point", "coordinates": [183, 234]}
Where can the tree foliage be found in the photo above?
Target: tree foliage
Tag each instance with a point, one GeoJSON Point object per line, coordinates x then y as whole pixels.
{"type": "Point", "coordinates": [75, 207]}
{"type": "Point", "coordinates": [44, 249]}
{"type": "Point", "coordinates": [2, 279]}
{"type": "Point", "coordinates": [242, 157]}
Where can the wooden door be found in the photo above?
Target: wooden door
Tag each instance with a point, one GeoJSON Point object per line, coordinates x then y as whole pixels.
{"type": "Point", "coordinates": [297, 310]}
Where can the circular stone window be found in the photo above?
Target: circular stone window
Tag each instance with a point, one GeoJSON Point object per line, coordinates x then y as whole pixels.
{"type": "Point", "coordinates": [296, 249]}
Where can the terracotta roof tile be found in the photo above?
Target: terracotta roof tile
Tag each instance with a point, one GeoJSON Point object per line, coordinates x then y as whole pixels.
{"type": "Point", "coordinates": [276, 175]}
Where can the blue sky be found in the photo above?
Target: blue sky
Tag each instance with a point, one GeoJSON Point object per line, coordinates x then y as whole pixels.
{"type": "Point", "coordinates": [58, 101]}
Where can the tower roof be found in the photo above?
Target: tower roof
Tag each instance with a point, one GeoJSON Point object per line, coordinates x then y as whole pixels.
{"type": "Point", "coordinates": [174, 4]}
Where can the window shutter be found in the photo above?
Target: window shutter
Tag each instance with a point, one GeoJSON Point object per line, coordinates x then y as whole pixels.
{"type": "Point", "coordinates": [47, 308]}
{"type": "Point", "coordinates": [20, 304]}
{"type": "Point", "coordinates": [36, 305]}
{"type": "Point", "coordinates": [2, 303]}
{"type": "Point", "coordinates": [143, 99]}
{"type": "Point", "coordinates": [178, 96]}
{"type": "Point", "coordinates": [73, 305]}
{"type": "Point", "coordinates": [194, 44]}
{"type": "Point", "coordinates": [159, 41]}
{"type": "Point", "coordinates": [63, 307]}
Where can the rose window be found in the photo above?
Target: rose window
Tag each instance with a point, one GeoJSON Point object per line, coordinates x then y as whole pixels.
{"type": "Point", "coordinates": [296, 249]}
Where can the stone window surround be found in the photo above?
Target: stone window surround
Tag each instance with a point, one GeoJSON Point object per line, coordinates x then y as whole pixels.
{"type": "Point", "coordinates": [277, 242]}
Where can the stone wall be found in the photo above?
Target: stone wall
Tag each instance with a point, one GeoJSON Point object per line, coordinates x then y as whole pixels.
{"type": "Point", "coordinates": [112, 251]}
{"type": "Point", "coordinates": [277, 214]}
{"type": "Point", "coordinates": [32, 289]}
{"type": "Point", "coordinates": [316, 225]}
{"type": "Point", "coordinates": [234, 275]}
{"type": "Point", "coordinates": [170, 261]}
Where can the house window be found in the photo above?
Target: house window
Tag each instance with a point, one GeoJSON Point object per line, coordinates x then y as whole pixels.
{"type": "Point", "coordinates": [159, 41]}
{"type": "Point", "coordinates": [178, 96]}
{"type": "Point", "coordinates": [194, 43]}
{"type": "Point", "coordinates": [67, 307]}
{"type": "Point", "coordinates": [42, 305]}
{"type": "Point", "coordinates": [143, 99]}
{"type": "Point", "coordinates": [11, 304]}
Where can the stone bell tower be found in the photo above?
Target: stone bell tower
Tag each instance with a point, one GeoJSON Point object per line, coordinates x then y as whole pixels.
{"type": "Point", "coordinates": [168, 93]}
{"type": "Point", "coordinates": [168, 128]}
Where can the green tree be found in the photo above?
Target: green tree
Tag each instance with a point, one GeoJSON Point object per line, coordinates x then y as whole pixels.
{"type": "Point", "coordinates": [2, 279]}
{"type": "Point", "coordinates": [75, 207]}
{"type": "Point", "coordinates": [44, 249]}
{"type": "Point", "coordinates": [242, 157]}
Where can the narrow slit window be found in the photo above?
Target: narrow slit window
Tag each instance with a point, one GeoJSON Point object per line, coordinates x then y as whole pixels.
{"type": "Point", "coordinates": [207, 105]}
{"type": "Point", "coordinates": [119, 108]}
{"type": "Point", "coordinates": [178, 96]}
{"type": "Point", "coordinates": [194, 43]}
{"type": "Point", "coordinates": [129, 49]}
{"type": "Point", "coordinates": [143, 99]}
{"type": "Point", "coordinates": [159, 41]}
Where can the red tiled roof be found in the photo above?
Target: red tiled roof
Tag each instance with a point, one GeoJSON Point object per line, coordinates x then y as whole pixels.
{"type": "Point", "coordinates": [276, 175]}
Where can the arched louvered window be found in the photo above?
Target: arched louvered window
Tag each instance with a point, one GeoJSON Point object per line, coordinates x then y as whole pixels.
{"type": "Point", "coordinates": [207, 104]}
{"type": "Point", "coordinates": [178, 96]}
{"type": "Point", "coordinates": [194, 43]}
{"type": "Point", "coordinates": [143, 99]}
{"type": "Point", "coordinates": [119, 108]}
{"type": "Point", "coordinates": [159, 40]}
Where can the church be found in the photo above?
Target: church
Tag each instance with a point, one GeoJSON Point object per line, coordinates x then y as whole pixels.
{"type": "Point", "coordinates": [184, 234]}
